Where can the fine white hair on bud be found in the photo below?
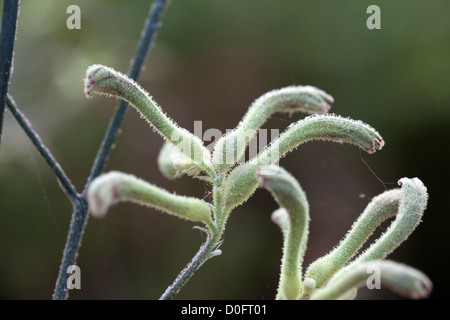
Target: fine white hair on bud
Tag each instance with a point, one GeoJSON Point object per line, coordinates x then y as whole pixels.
{"type": "Point", "coordinates": [107, 81]}
{"type": "Point", "coordinates": [399, 278]}
{"type": "Point", "coordinates": [115, 187]}
{"type": "Point", "coordinates": [174, 164]}
{"type": "Point", "coordinates": [380, 208]}
{"type": "Point", "coordinates": [336, 275]}
{"type": "Point", "coordinates": [413, 202]}
{"type": "Point", "coordinates": [323, 127]}
{"type": "Point", "coordinates": [293, 218]}
{"type": "Point", "coordinates": [308, 285]}
{"type": "Point", "coordinates": [241, 181]}
{"type": "Point", "coordinates": [307, 99]}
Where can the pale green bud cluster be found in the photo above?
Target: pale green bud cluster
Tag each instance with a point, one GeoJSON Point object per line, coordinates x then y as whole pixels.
{"type": "Point", "coordinates": [338, 274]}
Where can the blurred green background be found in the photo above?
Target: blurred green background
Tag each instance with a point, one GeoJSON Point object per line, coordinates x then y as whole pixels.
{"type": "Point", "coordinates": [211, 60]}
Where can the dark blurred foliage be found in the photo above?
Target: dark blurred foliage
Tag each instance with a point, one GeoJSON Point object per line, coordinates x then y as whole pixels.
{"type": "Point", "coordinates": [211, 60]}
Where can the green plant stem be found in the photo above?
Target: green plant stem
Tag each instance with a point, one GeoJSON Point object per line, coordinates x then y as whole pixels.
{"type": "Point", "coordinates": [7, 38]}
{"type": "Point", "coordinates": [293, 219]}
{"type": "Point", "coordinates": [63, 179]}
{"type": "Point", "coordinates": [205, 252]}
{"type": "Point", "coordinates": [80, 212]}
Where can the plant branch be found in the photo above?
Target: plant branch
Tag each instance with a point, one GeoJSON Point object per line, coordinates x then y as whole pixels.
{"type": "Point", "coordinates": [80, 213]}
{"type": "Point", "coordinates": [70, 254]}
{"type": "Point", "coordinates": [148, 37]}
{"type": "Point", "coordinates": [206, 251]}
{"type": "Point", "coordinates": [7, 38]}
{"type": "Point", "coordinates": [63, 179]}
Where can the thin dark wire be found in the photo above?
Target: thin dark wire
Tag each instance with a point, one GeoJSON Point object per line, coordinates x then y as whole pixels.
{"type": "Point", "coordinates": [63, 179]}
{"type": "Point", "coordinates": [148, 37]}
{"type": "Point", "coordinates": [7, 38]}
{"type": "Point", "coordinates": [373, 172]}
{"type": "Point", "coordinates": [80, 213]}
{"type": "Point", "coordinates": [80, 206]}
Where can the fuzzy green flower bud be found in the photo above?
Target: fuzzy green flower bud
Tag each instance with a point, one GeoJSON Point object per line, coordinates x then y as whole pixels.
{"type": "Point", "coordinates": [109, 82]}
{"type": "Point", "coordinates": [414, 198]}
{"type": "Point", "coordinates": [115, 187]}
{"type": "Point", "coordinates": [241, 181]}
{"type": "Point", "coordinates": [308, 99]}
{"type": "Point", "coordinates": [294, 223]}
{"type": "Point", "coordinates": [381, 208]}
{"type": "Point", "coordinates": [322, 127]}
{"type": "Point", "coordinates": [399, 278]}
{"type": "Point", "coordinates": [173, 164]}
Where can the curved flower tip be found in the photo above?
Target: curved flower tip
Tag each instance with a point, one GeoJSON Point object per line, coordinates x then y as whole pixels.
{"type": "Point", "coordinates": [263, 172]}
{"type": "Point", "coordinates": [421, 289]}
{"type": "Point", "coordinates": [325, 100]}
{"type": "Point", "coordinates": [307, 99]}
{"type": "Point", "coordinates": [102, 79]}
{"type": "Point", "coordinates": [375, 141]}
{"type": "Point", "coordinates": [90, 79]}
{"type": "Point", "coordinates": [378, 144]}
{"type": "Point", "coordinates": [399, 278]}
{"type": "Point", "coordinates": [413, 182]}
{"type": "Point", "coordinates": [309, 285]}
{"type": "Point", "coordinates": [174, 164]}
{"type": "Point", "coordinates": [405, 280]}
{"type": "Point", "coordinates": [415, 193]}
{"type": "Point", "coordinates": [281, 218]}
{"type": "Point", "coordinates": [102, 193]}
{"type": "Point", "coordinates": [366, 137]}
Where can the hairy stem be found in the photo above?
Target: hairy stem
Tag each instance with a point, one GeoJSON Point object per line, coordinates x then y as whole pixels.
{"type": "Point", "coordinates": [293, 219]}
{"type": "Point", "coordinates": [206, 251]}
{"type": "Point", "coordinates": [7, 38]}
